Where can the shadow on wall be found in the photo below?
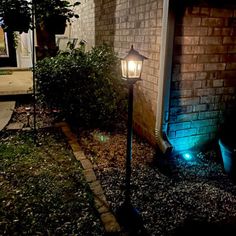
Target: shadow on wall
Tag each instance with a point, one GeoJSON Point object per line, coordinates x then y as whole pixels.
{"type": "Point", "coordinates": [144, 116]}
{"type": "Point", "coordinates": [105, 30]}
{"type": "Point", "coordinates": [105, 22]}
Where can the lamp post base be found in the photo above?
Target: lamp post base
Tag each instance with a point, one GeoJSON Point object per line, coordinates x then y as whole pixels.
{"type": "Point", "coordinates": [130, 218]}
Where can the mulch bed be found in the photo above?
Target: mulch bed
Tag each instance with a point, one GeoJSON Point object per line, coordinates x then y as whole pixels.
{"type": "Point", "coordinates": [44, 117]}
{"type": "Point", "coordinates": [174, 196]}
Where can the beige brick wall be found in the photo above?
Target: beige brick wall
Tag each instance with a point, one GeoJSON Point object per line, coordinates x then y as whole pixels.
{"type": "Point", "coordinates": [84, 27]}
{"type": "Point", "coordinates": [204, 62]}
{"type": "Point", "coordinates": [203, 81]}
{"type": "Point", "coordinates": [121, 23]}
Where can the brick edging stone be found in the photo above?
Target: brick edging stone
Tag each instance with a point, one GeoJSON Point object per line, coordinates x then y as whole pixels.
{"type": "Point", "coordinates": [107, 217]}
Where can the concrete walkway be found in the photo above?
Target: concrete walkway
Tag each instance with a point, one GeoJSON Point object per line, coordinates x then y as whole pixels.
{"type": "Point", "coordinates": [6, 110]}
{"type": "Point", "coordinates": [18, 83]}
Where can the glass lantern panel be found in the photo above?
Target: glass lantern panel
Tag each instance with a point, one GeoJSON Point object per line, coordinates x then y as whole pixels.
{"type": "Point", "coordinates": [124, 68]}
{"type": "Point", "coordinates": [134, 69]}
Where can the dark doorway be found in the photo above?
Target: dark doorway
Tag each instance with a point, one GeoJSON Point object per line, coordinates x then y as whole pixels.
{"type": "Point", "coordinates": [8, 59]}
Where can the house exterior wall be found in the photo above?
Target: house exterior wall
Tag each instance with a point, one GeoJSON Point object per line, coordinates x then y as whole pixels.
{"type": "Point", "coordinates": [84, 27]}
{"type": "Point", "coordinates": [204, 62]}
{"type": "Point", "coordinates": [204, 69]}
{"type": "Point", "coordinates": [121, 23]}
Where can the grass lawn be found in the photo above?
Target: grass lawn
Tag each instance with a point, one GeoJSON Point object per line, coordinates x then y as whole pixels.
{"type": "Point", "coordinates": [42, 190]}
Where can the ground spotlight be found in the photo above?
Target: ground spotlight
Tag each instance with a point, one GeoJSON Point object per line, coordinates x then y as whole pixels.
{"type": "Point", "coordinates": [187, 156]}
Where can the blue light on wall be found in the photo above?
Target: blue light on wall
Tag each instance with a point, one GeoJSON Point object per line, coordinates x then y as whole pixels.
{"type": "Point", "coordinates": [182, 144]}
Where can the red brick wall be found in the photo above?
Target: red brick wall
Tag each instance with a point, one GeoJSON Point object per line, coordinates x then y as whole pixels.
{"type": "Point", "coordinates": [204, 73]}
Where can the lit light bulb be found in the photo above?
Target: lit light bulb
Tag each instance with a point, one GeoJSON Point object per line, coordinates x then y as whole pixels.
{"type": "Point", "coordinates": [131, 66]}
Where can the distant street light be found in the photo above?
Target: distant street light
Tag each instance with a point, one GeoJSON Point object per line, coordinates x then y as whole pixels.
{"type": "Point", "coordinates": [131, 66]}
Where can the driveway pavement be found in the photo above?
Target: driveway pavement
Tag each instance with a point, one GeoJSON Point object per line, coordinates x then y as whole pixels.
{"type": "Point", "coordinates": [6, 110]}
{"type": "Point", "coordinates": [17, 83]}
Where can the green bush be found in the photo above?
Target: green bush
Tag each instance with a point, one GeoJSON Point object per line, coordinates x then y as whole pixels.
{"type": "Point", "coordinates": [85, 86]}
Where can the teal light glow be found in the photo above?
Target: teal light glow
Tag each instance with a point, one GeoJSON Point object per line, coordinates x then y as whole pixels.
{"type": "Point", "coordinates": [101, 137]}
{"type": "Point", "coordinates": [183, 144]}
{"type": "Point", "coordinates": [187, 156]}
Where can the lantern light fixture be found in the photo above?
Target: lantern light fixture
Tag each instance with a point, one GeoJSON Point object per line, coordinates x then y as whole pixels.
{"type": "Point", "coordinates": [132, 64]}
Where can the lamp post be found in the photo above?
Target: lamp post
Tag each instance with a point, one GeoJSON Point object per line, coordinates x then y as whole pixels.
{"type": "Point", "coordinates": [131, 66]}
{"type": "Point", "coordinates": [33, 69]}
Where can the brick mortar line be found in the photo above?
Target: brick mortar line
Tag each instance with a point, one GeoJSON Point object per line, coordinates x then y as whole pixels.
{"type": "Point", "coordinates": [107, 217]}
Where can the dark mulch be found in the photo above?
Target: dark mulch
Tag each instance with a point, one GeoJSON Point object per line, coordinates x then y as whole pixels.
{"type": "Point", "coordinates": [173, 196]}
{"type": "Point", "coordinates": [44, 117]}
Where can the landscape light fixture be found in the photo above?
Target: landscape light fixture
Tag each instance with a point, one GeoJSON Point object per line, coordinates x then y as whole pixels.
{"type": "Point", "coordinates": [131, 66]}
{"type": "Point", "coordinates": [28, 110]}
{"type": "Point", "coordinates": [188, 156]}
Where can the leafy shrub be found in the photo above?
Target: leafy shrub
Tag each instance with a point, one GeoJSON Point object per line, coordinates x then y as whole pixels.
{"type": "Point", "coordinates": [85, 86]}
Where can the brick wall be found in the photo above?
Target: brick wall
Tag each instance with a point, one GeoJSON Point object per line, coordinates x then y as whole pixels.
{"type": "Point", "coordinates": [204, 62]}
{"type": "Point", "coordinates": [121, 23]}
{"type": "Point", "coordinates": [84, 27]}
{"type": "Point", "coordinates": [204, 69]}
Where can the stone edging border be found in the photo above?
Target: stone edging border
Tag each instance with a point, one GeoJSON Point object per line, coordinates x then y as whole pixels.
{"type": "Point", "coordinates": [107, 217]}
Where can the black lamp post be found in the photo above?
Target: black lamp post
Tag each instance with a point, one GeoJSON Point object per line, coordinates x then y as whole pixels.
{"type": "Point", "coordinates": [33, 70]}
{"type": "Point", "coordinates": [131, 66]}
